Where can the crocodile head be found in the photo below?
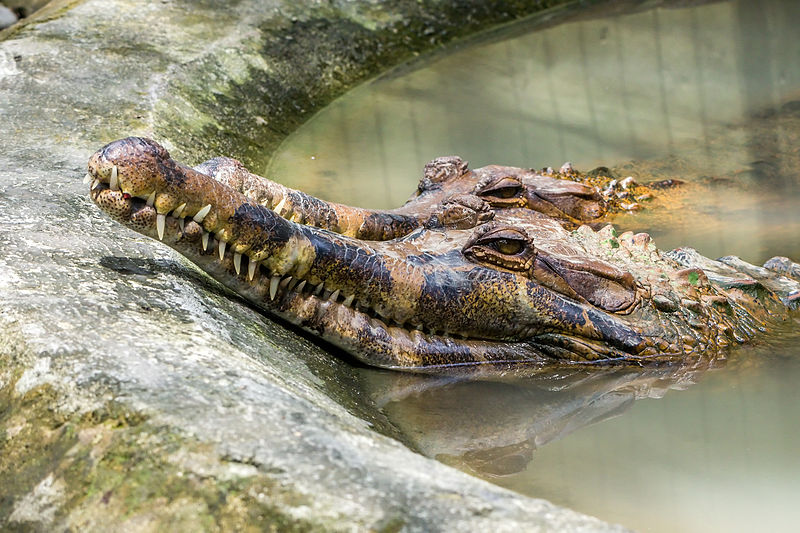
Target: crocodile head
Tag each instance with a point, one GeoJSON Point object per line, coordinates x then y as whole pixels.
{"type": "Point", "coordinates": [517, 288]}
{"type": "Point", "coordinates": [509, 187]}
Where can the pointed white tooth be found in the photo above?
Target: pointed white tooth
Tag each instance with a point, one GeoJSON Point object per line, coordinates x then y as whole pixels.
{"type": "Point", "coordinates": [95, 184]}
{"type": "Point", "coordinates": [349, 300]}
{"type": "Point", "coordinates": [179, 210]}
{"type": "Point", "coordinates": [222, 245]}
{"type": "Point", "coordinates": [113, 182]}
{"type": "Point", "coordinates": [237, 262]}
{"type": "Point", "coordinates": [319, 288]}
{"type": "Point", "coordinates": [292, 283]}
{"type": "Point", "coordinates": [286, 281]}
{"type": "Point", "coordinates": [161, 220]}
{"type": "Point", "coordinates": [273, 286]}
{"type": "Point", "coordinates": [334, 295]}
{"type": "Point", "coordinates": [300, 287]}
{"type": "Point", "coordinates": [151, 199]}
{"type": "Point", "coordinates": [202, 214]}
{"type": "Point", "coordinates": [205, 240]}
{"type": "Point", "coordinates": [87, 179]}
{"type": "Point", "coordinates": [251, 269]}
{"type": "Point", "coordinates": [280, 205]}
{"type": "Point", "coordinates": [181, 223]}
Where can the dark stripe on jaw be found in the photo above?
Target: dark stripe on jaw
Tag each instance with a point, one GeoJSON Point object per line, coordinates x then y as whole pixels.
{"type": "Point", "coordinates": [258, 226]}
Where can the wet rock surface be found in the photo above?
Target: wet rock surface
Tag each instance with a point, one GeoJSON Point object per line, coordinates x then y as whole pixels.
{"type": "Point", "coordinates": [136, 391]}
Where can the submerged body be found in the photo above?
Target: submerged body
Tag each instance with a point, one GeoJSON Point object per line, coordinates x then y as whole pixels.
{"type": "Point", "coordinates": [480, 266]}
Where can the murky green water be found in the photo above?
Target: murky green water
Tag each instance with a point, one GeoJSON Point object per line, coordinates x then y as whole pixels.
{"type": "Point", "coordinates": [707, 94]}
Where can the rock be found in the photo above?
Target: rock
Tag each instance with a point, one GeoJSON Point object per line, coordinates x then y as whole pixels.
{"type": "Point", "coordinates": [134, 390]}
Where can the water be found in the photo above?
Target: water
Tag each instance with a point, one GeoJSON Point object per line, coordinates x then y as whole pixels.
{"type": "Point", "coordinates": [706, 93]}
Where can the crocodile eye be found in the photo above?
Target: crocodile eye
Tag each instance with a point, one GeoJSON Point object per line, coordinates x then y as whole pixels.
{"type": "Point", "coordinates": [501, 245]}
{"type": "Point", "coordinates": [508, 247]}
{"type": "Point", "coordinates": [506, 191]}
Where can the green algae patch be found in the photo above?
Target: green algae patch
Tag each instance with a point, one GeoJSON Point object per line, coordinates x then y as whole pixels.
{"type": "Point", "coordinates": [112, 465]}
{"type": "Point", "coordinates": [243, 101]}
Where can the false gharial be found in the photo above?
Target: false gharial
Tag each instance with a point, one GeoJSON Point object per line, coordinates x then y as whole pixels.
{"type": "Point", "coordinates": [485, 266]}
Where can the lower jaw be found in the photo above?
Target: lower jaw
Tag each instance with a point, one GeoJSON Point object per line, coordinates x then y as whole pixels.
{"type": "Point", "coordinates": [368, 339]}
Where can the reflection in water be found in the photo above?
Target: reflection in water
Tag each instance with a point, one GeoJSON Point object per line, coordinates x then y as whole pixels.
{"type": "Point", "coordinates": [721, 455]}
{"type": "Point", "coordinates": [707, 94]}
{"type": "Point", "coordinates": [491, 426]}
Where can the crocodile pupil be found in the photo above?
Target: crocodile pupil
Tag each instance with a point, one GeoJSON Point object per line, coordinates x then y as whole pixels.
{"type": "Point", "coordinates": [508, 247]}
{"type": "Point", "coordinates": [506, 192]}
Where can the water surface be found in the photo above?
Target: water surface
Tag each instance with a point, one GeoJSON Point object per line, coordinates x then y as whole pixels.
{"type": "Point", "coordinates": [707, 94]}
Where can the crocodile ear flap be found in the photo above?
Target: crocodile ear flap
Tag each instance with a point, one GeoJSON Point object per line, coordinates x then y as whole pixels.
{"type": "Point", "coordinates": [599, 283]}
{"type": "Point", "coordinates": [501, 245]}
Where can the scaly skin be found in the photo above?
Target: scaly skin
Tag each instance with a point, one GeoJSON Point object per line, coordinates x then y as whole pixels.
{"type": "Point", "coordinates": [519, 288]}
{"type": "Point", "coordinates": [449, 195]}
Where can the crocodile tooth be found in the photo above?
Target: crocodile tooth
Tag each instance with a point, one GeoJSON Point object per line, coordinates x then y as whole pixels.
{"type": "Point", "coordinates": [113, 182]}
{"type": "Point", "coordinates": [273, 286]}
{"type": "Point", "coordinates": [319, 288]}
{"type": "Point", "coordinates": [161, 221]}
{"type": "Point", "coordinates": [301, 286]}
{"type": "Point", "coordinates": [251, 269]}
{"type": "Point", "coordinates": [151, 199]}
{"type": "Point", "coordinates": [285, 282]}
{"type": "Point", "coordinates": [181, 223]}
{"type": "Point", "coordinates": [205, 240]}
{"type": "Point", "coordinates": [334, 295]}
{"type": "Point", "coordinates": [87, 179]}
{"type": "Point", "coordinates": [95, 184]}
{"type": "Point", "coordinates": [202, 214]}
{"type": "Point", "coordinates": [349, 300]}
{"type": "Point", "coordinates": [280, 205]}
{"type": "Point", "coordinates": [222, 245]}
{"type": "Point", "coordinates": [292, 283]}
{"type": "Point", "coordinates": [237, 262]}
{"type": "Point", "coordinates": [179, 210]}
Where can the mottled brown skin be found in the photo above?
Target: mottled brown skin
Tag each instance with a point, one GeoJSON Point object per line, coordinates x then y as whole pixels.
{"type": "Point", "coordinates": [516, 288]}
{"type": "Point", "coordinates": [449, 195]}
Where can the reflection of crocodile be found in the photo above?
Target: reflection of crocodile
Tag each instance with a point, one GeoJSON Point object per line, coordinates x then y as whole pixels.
{"type": "Point", "coordinates": [460, 288]}
{"type": "Point", "coordinates": [450, 419]}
